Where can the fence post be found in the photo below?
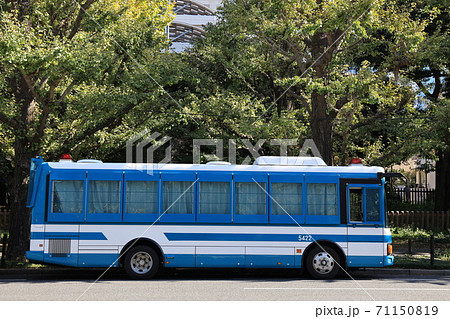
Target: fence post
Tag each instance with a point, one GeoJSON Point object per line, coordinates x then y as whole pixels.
{"type": "Point", "coordinates": [443, 220]}
{"type": "Point", "coordinates": [422, 224]}
{"type": "Point", "coordinates": [410, 246]}
{"type": "Point", "coordinates": [448, 220]}
{"type": "Point", "coordinates": [396, 218]}
{"type": "Point", "coordinates": [432, 250]}
{"type": "Point", "coordinates": [5, 241]}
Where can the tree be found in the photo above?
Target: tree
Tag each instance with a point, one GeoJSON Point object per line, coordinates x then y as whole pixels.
{"type": "Point", "coordinates": [431, 73]}
{"type": "Point", "coordinates": [70, 72]}
{"type": "Point", "coordinates": [302, 56]}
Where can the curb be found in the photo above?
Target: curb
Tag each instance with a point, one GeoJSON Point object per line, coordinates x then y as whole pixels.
{"type": "Point", "coordinates": [89, 273]}
{"type": "Point", "coordinates": [402, 272]}
{"type": "Point", "coordinates": [56, 273]}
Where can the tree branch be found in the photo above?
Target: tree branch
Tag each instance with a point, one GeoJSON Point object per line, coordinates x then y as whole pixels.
{"type": "Point", "coordinates": [53, 86]}
{"type": "Point", "coordinates": [296, 56]}
{"type": "Point", "coordinates": [76, 25]}
{"type": "Point", "coordinates": [381, 114]}
{"type": "Point", "coordinates": [30, 86]}
{"type": "Point", "coordinates": [112, 121]}
{"type": "Point", "coordinates": [368, 121]}
{"type": "Point", "coordinates": [437, 84]}
{"type": "Point", "coordinates": [351, 45]}
{"type": "Point", "coordinates": [302, 100]}
{"type": "Point", "coordinates": [8, 121]}
{"type": "Point", "coordinates": [66, 91]}
{"type": "Point", "coordinates": [341, 102]}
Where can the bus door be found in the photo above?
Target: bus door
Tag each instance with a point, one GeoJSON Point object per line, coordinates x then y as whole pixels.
{"type": "Point", "coordinates": [364, 203]}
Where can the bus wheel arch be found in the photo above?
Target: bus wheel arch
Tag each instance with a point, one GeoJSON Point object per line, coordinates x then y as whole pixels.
{"type": "Point", "coordinates": [142, 242]}
{"type": "Point", "coordinates": [315, 248]}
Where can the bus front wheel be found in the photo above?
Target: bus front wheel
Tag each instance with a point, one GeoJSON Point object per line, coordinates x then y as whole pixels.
{"type": "Point", "coordinates": [141, 262]}
{"type": "Point", "coordinates": [322, 262]}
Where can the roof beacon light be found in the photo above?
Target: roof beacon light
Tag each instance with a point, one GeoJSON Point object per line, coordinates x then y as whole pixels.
{"type": "Point", "coordinates": [355, 161]}
{"type": "Point", "coordinates": [65, 157]}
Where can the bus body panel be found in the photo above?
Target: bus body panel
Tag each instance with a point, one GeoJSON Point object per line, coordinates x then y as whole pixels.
{"type": "Point", "coordinates": [214, 246]}
{"type": "Point", "coordinates": [89, 239]}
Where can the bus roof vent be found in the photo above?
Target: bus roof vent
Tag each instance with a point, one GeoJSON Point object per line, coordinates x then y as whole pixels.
{"type": "Point", "coordinates": [289, 161]}
{"type": "Point", "coordinates": [218, 163]}
{"type": "Point", "coordinates": [83, 161]}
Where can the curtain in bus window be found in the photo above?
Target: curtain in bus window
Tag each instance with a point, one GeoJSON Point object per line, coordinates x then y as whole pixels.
{"type": "Point", "coordinates": [286, 198]}
{"type": "Point", "coordinates": [178, 197]}
{"type": "Point", "coordinates": [372, 205]}
{"type": "Point", "coordinates": [104, 197]}
{"type": "Point", "coordinates": [250, 198]}
{"type": "Point", "coordinates": [214, 198]}
{"type": "Point", "coordinates": [67, 197]}
{"type": "Point", "coordinates": [141, 197]}
{"type": "Point", "coordinates": [322, 199]}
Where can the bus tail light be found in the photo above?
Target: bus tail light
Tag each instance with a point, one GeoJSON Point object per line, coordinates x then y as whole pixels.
{"type": "Point", "coordinates": [389, 249]}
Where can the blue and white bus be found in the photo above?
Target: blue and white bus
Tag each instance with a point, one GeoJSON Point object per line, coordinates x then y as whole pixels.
{"type": "Point", "coordinates": [280, 212]}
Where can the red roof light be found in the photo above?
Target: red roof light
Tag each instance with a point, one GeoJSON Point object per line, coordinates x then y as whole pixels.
{"type": "Point", "coordinates": [66, 157]}
{"type": "Point", "coordinates": [355, 160]}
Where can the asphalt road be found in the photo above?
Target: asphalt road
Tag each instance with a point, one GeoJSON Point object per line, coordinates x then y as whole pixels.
{"type": "Point", "coordinates": [233, 285]}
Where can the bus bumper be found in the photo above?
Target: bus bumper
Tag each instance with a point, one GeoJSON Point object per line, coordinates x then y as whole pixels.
{"type": "Point", "coordinates": [35, 255]}
{"type": "Point", "coordinates": [388, 260]}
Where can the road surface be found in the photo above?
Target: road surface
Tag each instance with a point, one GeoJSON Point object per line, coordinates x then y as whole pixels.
{"type": "Point", "coordinates": [231, 285]}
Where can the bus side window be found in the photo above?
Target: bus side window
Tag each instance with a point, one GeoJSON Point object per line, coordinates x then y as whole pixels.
{"type": "Point", "coordinates": [67, 196]}
{"type": "Point", "coordinates": [373, 205]}
{"type": "Point", "coordinates": [141, 197]}
{"type": "Point", "coordinates": [214, 198]}
{"type": "Point", "coordinates": [356, 204]}
{"type": "Point", "coordinates": [104, 197]}
{"type": "Point", "coordinates": [286, 198]}
{"type": "Point", "coordinates": [250, 198]}
{"type": "Point", "coordinates": [322, 199]}
{"type": "Point", "coordinates": [178, 197]}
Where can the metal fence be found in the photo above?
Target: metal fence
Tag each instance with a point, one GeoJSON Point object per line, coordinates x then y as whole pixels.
{"type": "Point", "coordinates": [418, 196]}
{"type": "Point", "coordinates": [420, 219]}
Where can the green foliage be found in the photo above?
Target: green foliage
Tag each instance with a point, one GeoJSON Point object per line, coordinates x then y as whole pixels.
{"type": "Point", "coordinates": [443, 254]}
{"type": "Point", "coordinates": [285, 52]}
{"type": "Point", "coordinates": [419, 235]}
{"type": "Point", "coordinates": [400, 233]}
{"type": "Point", "coordinates": [420, 262]}
{"type": "Point", "coordinates": [85, 70]}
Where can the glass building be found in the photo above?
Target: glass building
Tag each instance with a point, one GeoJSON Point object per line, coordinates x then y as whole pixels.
{"type": "Point", "coordinates": [190, 17]}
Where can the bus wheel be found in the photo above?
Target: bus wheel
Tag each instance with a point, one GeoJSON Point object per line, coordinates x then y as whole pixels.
{"type": "Point", "coordinates": [322, 263]}
{"type": "Point", "coordinates": [141, 262]}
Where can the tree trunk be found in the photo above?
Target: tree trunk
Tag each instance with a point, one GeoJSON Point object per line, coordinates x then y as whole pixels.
{"type": "Point", "coordinates": [321, 127]}
{"type": "Point", "coordinates": [20, 215]}
{"type": "Point", "coordinates": [24, 150]}
{"type": "Point", "coordinates": [442, 202]}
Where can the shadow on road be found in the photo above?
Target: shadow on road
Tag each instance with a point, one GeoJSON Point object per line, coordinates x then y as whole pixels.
{"type": "Point", "coordinates": [206, 274]}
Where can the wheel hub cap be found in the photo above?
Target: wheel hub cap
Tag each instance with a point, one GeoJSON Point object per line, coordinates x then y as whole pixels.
{"type": "Point", "coordinates": [323, 262]}
{"type": "Point", "coordinates": [141, 262]}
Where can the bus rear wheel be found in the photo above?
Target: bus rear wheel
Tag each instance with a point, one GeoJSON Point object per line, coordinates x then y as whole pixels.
{"type": "Point", "coordinates": [141, 262]}
{"type": "Point", "coordinates": [322, 263]}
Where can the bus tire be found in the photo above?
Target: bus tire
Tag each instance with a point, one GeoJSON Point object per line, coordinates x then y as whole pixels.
{"type": "Point", "coordinates": [141, 262]}
{"type": "Point", "coordinates": [322, 263]}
